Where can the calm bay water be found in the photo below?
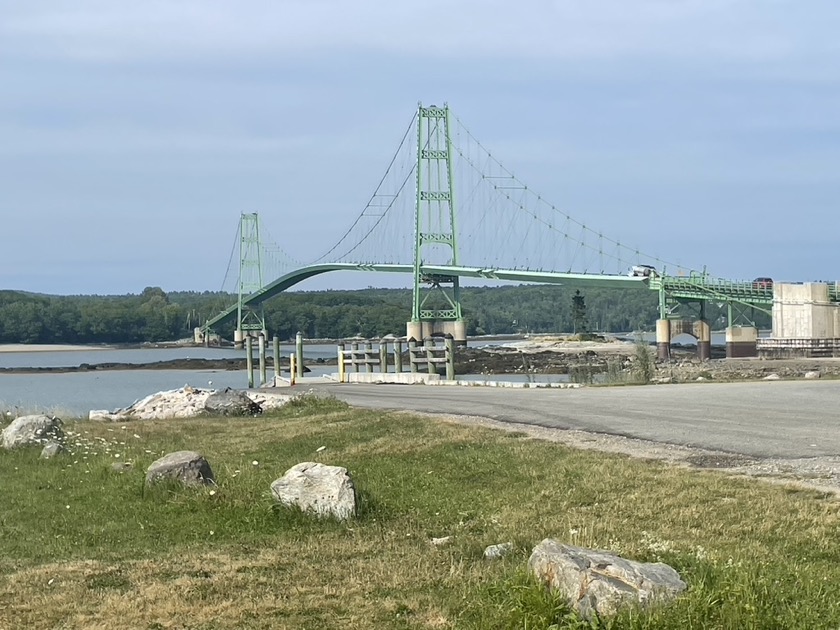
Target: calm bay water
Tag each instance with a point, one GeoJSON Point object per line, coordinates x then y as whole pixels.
{"type": "Point", "coordinates": [76, 393]}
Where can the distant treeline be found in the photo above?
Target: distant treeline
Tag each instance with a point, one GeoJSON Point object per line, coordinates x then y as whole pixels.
{"type": "Point", "coordinates": [155, 315]}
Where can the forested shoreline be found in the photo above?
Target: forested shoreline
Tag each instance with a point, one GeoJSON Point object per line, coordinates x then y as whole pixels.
{"type": "Point", "coordinates": [155, 316]}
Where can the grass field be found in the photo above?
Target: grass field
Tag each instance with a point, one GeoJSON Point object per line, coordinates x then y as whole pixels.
{"type": "Point", "coordinates": [84, 547]}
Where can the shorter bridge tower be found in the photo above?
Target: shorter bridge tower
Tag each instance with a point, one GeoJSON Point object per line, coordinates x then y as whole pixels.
{"type": "Point", "coordinates": [436, 301]}
{"type": "Point", "coordinates": [250, 321]}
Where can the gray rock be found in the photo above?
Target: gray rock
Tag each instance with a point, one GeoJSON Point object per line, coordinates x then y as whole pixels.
{"type": "Point", "coordinates": [812, 374]}
{"type": "Point", "coordinates": [231, 402]}
{"type": "Point", "coordinates": [51, 449]}
{"type": "Point", "coordinates": [598, 582]}
{"type": "Point", "coordinates": [27, 430]}
{"type": "Point", "coordinates": [771, 377]}
{"type": "Point", "coordinates": [188, 467]}
{"type": "Point", "coordinates": [122, 467]}
{"type": "Point", "coordinates": [494, 552]}
{"type": "Point", "coordinates": [327, 491]}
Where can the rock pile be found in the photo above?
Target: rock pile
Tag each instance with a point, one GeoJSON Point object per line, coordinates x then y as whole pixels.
{"type": "Point", "coordinates": [189, 402]}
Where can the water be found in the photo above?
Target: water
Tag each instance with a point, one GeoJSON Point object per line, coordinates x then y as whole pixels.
{"type": "Point", "coordinates": [92, 356]}
{"type": "Point", "coordinates": [74, 358]}
{"type": "Point", "coordinates": [76, 393]}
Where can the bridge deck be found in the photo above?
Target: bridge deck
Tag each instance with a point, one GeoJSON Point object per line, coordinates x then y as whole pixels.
{"type": "Point", "coordinates": [686, 288]}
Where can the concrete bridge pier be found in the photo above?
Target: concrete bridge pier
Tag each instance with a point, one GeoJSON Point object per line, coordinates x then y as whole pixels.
{"type": "Point", "coordinates": [666, 329]}
{"type": "Point", "coordinates": [663, 339]}
{"type": "Point", "coordinates": [741, 341]}
{"type": "Point", "coordinates": [703, 333]}
{"type": "Point", "coordinates": [240, 336]}
{"type": "Point", "coordinates": [425, 329]}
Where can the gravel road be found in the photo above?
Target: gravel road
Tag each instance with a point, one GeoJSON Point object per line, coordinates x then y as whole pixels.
{"type": "Point", "coordinates": [778, 429]}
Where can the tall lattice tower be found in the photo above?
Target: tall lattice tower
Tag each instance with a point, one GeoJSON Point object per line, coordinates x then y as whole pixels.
{"type": "Point", "coordinates": [436, 303]}
{"type": "Point", "coordinates": [250, 277]}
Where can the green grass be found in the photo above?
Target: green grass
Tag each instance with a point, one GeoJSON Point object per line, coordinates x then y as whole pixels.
{"type": "Point", "coordinates": [83, 546]}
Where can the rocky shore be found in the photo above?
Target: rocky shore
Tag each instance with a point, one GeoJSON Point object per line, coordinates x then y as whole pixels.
{"type": "Point", "coordinates": [616, 361]}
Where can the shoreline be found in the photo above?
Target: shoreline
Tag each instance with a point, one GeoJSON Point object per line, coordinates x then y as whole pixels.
{"type": "Point", "coordinates": [50, 347]}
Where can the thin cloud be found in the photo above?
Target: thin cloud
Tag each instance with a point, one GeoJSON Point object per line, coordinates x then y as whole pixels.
{"type": "Point", "coordinates": [108, 31]}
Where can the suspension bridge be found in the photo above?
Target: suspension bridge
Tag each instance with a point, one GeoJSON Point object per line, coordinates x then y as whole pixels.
{"type": "Point", "coordinates": [447, 209]}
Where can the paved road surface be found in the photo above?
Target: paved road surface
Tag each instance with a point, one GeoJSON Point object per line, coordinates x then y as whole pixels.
{"type": "Point", "coordinates": [762, 419]}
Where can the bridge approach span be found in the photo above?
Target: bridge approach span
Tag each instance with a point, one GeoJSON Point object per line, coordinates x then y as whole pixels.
{"type": "Point", "coordinates": [292, 278]}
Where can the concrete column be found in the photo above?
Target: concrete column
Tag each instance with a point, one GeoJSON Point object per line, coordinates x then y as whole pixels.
{"type": "Point", "coordinates": [398, 356]}
{"type": "Point", "coordinates": [238, 339]}
{"type": "Point", "coordinates": [741, 342]}
{"type": "Point", "coordinates": [276, 347]}
{"type": "Point", "coordinates": [459, 332]}
{"type": "Point", "coordinates": [412, 349]}
{"type": "Point", "coordinates": [354, 356]}
{"type": "Point", "coordinates": [414, 330]}
{"type": "Point", "coordinates": [368, 357]}
{"type": "Point", "coordinates": [261, 354]}
{"type": "Point", "coordinates": [299, 354]}
{"type": "Point", "coordinates": [249, 361]}
{"type": "Point", "coordinates": [429, 344]}
{"type": "Point", "coordinates": [703, 332]}
{"type": "Point", "coordinates": [428, 329]}
{"type": "Point", "coordinates": [663, 339]}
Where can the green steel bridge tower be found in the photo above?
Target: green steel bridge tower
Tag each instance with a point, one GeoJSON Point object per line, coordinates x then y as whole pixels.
{"type": "Point", "coordinates": [249, 318]}
{"type": "Point", "coordinates": [436, 300]}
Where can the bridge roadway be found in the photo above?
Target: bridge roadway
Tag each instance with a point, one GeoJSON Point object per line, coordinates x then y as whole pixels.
{"type": "Point", "coordinates": [691, 288]}
{"type": "Point", "coordinates": [292, 278]}
{"type": "Point", "coordinates": [780, 419]}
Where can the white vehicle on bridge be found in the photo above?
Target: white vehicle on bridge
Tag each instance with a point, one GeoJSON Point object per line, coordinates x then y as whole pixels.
{"type": "Point", "coordinates": [644, 271]}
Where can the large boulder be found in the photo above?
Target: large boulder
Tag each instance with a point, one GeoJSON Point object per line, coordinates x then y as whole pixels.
{"type": "Point", "coordinates": [187, 467]}
{"type": "Point", "coordinates": [231, 402]}
{"type": "Point", "coordinates": [598, 582]}
{"type": "Point", "coordinates": [32, 430]}
{"type": "Point", "coordinates": [327, 491]}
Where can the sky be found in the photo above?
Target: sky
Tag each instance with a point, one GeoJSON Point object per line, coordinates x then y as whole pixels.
{"type": "Point", "coordinates": [133, 134]}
